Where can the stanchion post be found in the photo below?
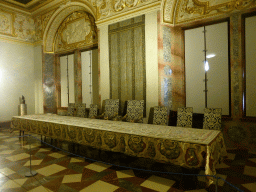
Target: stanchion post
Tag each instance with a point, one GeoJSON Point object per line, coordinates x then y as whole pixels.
{"type": "Point", "coordinates": [216, 186]}
{"type": "Point", "coordinates": [30, 173]}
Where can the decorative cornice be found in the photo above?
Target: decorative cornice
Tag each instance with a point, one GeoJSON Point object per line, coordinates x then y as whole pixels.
{"type": "Point", "coordinates": [129, 14]}
{"type": "Point", "coordinates": [13, 40]}
{"type": "Point", "coordinates": [177, 12]}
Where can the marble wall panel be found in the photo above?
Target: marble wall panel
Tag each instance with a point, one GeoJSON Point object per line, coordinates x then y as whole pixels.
{"type": "Point", "coordinates": [49, 84]}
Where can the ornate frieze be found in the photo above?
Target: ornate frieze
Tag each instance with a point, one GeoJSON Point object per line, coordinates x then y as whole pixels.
{"type": "Point", "coordinates": [38, 29]}
{"type": "Point", "coordinates": [183, 11]}
{"type": "Point", "coordinates": [24, 27]}
{"type": "Point", "coordinates": [110, 8]}
{"type": "Point", "coordinates": [6, 23]}
{"type": "Point", "coordinates": [45, 18]}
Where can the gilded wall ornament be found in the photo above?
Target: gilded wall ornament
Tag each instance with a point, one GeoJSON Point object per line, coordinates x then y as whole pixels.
{"type": "Point", "coordinates": [182, 11]}
{"type": "Point", "coordinates": [109, 8]}
{"type": "Point", "coordinates": [76, 31]}
{"type": "Point", "coordinates": [6, 23]}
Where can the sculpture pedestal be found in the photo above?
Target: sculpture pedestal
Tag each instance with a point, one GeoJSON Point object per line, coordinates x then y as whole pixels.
{"type": "Point", "coordinates": [22, 109]}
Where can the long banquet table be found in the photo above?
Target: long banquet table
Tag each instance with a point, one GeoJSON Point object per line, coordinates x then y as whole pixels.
{"type": "Point", "coordinates": [186, 147]}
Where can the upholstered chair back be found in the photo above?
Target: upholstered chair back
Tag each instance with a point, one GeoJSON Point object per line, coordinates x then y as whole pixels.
{"type": "Point", "coordinates": [71, 109]}
{"type": "Point", "coordinates": [135, 110]}
{"type": "Point", "coordinates": [184, 117]}
{"type": "Point", "coordinates": [111, 108]}
{"type": "Point", "coordinates": [93, 112]}
{"type": "Point", "coordinates": [212, 118]}
{"type": "Point", "coordinates": [81, 110]}
{"type": "Point", "coordinates": [160, 115]}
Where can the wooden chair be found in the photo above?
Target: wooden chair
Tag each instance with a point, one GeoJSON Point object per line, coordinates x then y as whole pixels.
{"type": "Point", "coordinates": [135, 110]}
{"type": "Point", "coordinates": [160, 115]}
{"type": "Point", "coordinates": [71, 109]}
{"type": "Point", "coordinates": [212, 118]}
{"type": "Point", "coordinates": [111, 109]}
{"type": "Point", "coordinates": [93, 112]}
{"type": "Point", "coordinates": [184, 117]}
{"type": "Point", "coordinates": [81, 110]}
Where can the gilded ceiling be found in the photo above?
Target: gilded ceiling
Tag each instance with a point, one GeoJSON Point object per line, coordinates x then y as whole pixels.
{"type": "Point", "coordinates": [25, 5]}
{"type": "Point", "coordinates": [23, 1]}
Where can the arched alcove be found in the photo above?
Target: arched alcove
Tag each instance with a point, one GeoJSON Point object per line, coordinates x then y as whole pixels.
{"type": "Point", "coordinates": [57, 19]}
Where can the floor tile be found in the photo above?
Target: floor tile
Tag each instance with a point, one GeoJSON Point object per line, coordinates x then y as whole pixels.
{"type": "Point", "coordinates": [97, 166]}
{"type": "Point", "coordinates": [50, 170]}
{"type": "Point", "coordinates": [231, 156]}
{"type": "Point", "coordinates": [31, 146]}
{"type": "Point", "coordinates": [44, 150]}
{"type": "Point", "coordinates": [100, 186]}
{"type": "Point", "coordinates": [3, 147]}
{"type": "Point", "coordinates": [40, 189]}
{"type": "Point", "coordinates": [20, 181]}
{"type": "Point", "coordinates": [250, 171]}
{"type": "Point", "coordinates": [74, 160]}
{"type": "Point", "coordinates": [250, 186]}
{"type": "Point", "coordinates": [6, 152]}
{"type": "Point", "coordinates": [1, 175]}
{"type": "Point", "coordinates": [56, 155]}
{"type": "Point", "coordinates": [252, 159]}
{"type": "Point", "coordinates": [11, 139]}
{"type": "Point", "coordinates": [125, 173]}
{"type": "Point", "coordinates": [158, 183]}
{"type": "Point", "coordinates": [18, 157]}
{"type": "Point", "coordinates": [220, 181]}
{"type": "Point", "coordinates": [222, 166]}
{"type": "Point", "coordinates": [17, 183]}
{"type": "Point", "coordinates": [33, 162]}
{"type": "Point", "coordinates": [6, 171]}
{"type": "Point", "coordinates": [72, 178]}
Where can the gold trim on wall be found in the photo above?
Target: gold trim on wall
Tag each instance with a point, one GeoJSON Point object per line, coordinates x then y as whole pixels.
{"type": "Point", "coordinates": [122, 15]}
{"type": "Point", "coordinates": [90, 39]}
{"type": "Point", "coordinates": [197, 10]}
{"type": "Point", "coordinates": [12, 32]}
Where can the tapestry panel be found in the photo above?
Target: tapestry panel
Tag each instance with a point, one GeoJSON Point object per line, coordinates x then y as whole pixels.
{"type": "Point", "coordinates": [127, 60]}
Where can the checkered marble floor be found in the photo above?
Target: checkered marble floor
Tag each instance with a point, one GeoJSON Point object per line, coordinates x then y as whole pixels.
{"type": "Point", "coordinates": [58, 170]}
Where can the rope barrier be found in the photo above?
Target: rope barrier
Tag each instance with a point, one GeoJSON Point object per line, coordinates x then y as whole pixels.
{"type": "Point", "coordinates": [171, 173]}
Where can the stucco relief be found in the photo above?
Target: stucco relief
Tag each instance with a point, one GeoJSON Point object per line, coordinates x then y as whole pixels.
{"type": "Point", "coordinates": [24, 27]}
{"type": "Point", "coordinates": [182, 11]}
{"type": "Point", "coordinates": [46, 17]}
{"type": "Point", "coordinates": [52, 30]}
{"type": "Point", "coordinates": [77, 30]}
{"type": "Point", "coordinates": [6, 23]}
{"type": "Point", "coordinates": [109, 8]}
{"type": "Point", "coordinates": [38, 29]}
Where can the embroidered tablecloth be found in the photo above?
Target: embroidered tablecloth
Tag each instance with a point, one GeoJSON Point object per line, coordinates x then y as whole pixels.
{"type": "Point", "coordinates": [187, 147]}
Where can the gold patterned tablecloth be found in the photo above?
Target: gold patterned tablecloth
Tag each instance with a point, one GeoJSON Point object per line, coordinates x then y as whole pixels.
{"type": "Point", "coordinates": [187, 147]}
